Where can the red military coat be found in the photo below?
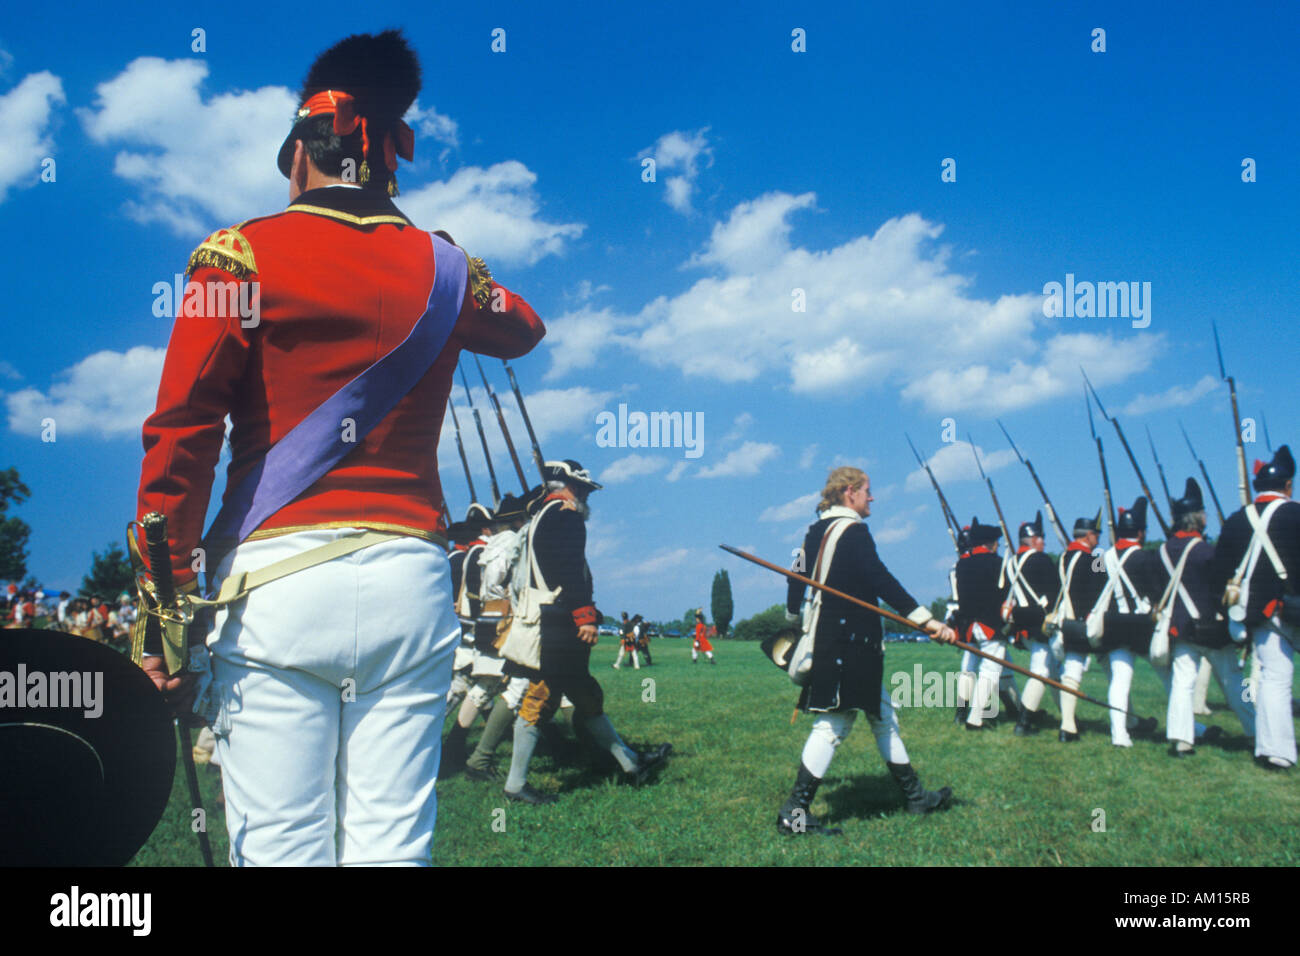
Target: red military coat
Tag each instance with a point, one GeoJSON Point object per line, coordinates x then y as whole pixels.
{"type": "Point", "coordinates": [342, 277]}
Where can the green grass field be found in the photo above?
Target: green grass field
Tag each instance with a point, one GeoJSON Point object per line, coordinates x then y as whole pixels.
{"type": "Point", "coordinates": [1022, 801]}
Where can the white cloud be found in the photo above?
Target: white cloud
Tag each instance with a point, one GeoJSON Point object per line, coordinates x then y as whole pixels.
{"type": "Point", "coordinates": [9, 371]}
{"type": "Point", "coordinates": [954, 462]}
{"type": "Point", "coordinates": [492, 212]}
{"type": "Point", "coordinates": [677, 471]}
{"type": "Point", "coordinates": [744, 461]}
{"type": "Point", "coordinates": [681, 153]}
{"type": "Point", "coordinates": [884, 310]}
{"type": "Point", "coordinates": [201, 163]}
{"type": "Point", "coordinates": [25, 115]}
{"type": "Point", "coordinates": [802, 507]}
{"type": "Point", "coordinates": [108, 395]}
{"type": "Point", "coordinates": [807, 456]}
{"type": "Point", "coordinates": [429, 122]}
{"type": "Point", "coordinates": [1175, 397]}
{"type": "Point", "coordinates": [655, 565]}
{"type": "Point", "coordinates": [894, 533]}
{"type": "Point", "coordinates": [631, 466]}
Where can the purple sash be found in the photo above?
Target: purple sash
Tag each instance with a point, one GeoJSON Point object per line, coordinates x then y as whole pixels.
{"type": "Point", "coordinates": [315, 445]}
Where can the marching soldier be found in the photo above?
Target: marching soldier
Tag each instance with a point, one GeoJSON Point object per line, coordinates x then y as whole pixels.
{"type": "Point", "coordinates": [1082, 581]}
{"type": "Point", "coordinates": [628, 639]}
{"type": "Point", "coordinates": [336, 389]}
{"type": "Point", "coordinates": [981, 592]}
{"type": "Point", "coordinates": [1035, 586]}
{"type": "Point", "coordinates": [701, 641]}
{"type": "Point", "coordinates": [848, 656]}
{"type": "Point", "coordinates": [1124, 610]}
{"type": "Point", "coordinates": [464, 535]}
{"type": "Point", "coordinates": [1197, 630]}
{"type": "Point", "coordinates": [1256, 567]}
{"type": "Point", "coordinates": [966, 676]}
{"type": "Point", "coordinates": [558, 539]}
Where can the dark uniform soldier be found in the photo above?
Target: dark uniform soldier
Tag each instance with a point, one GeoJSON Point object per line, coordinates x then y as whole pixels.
{"type": "Point", "coordinates": [1035, 586]}
{"type": "Point", "coordinates": [981, 592]}
{"type": "Point", "coordinates": [848, 656]}
{"type": "Point", "coordinates": [1196, 624]}
{"type": "Point", "coordinates": [1082, 581]}
{"type": "Point", "coordinates": [1133, 589]}
{"type": "Point", "coordinates": [464, 535]}
{"type": "Point", "coordinates": [558, 539]}
{"type": "Point", "coordinates": [1264, 598]}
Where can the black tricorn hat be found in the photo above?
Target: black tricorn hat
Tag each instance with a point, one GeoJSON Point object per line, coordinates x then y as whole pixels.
{"type": "Point", "coordinates": [88, 752]}
{"type": "Point", "coordinates": [533, 500]}
{"type": "Point", "coordinates": [1032, 529]}
{"type": "Point", "coordinates": [983, 533]}
{"type": "Point", "coordinates": [1088, 524]}
{"type": "Point", "coordinates": [780, 646]}
{"type": "Point", "coordinates": [1133, 520]}
{"type": "Point", "coordinates": [510, 508]}
{"type": "Point", "coordinates": [1190, 502]}
{"type": "Point", "coordinates": [382, 75]}
{"type": "Point", "coordinates": [1273, 475]}
{"type": "Point", "coordinates": [477, 514]}
{"type": "Point", "coordinates": [570, 472]}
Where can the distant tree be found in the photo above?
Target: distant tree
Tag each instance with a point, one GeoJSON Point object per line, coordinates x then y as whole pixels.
{"type": "Point", "coordinates": [722, 605]}
{"type": "Point", "coordinates": [14, 532]}
{"type": "Point", "coordinates": [762, 625]}
{"type": "Point", "coordinates": [110, 573]}
{"type": "Point", "coordinates": [939, 608]}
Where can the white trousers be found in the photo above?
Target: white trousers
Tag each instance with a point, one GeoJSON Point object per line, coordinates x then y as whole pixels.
{"type": "Point", "coordinates": [829, 731]}
{"type": "Point", "coordinates": [1119, 665]}
{"type": "Point", "coordinates": [1042, 663]}
{"type": "Point", "coordinates": [1275, 733]}
{"type": "Point", "coordinates": [329, 693]}
{"type": "Point", "coordinates": [985, 703]}
{"type": "Point", "coordinates": [1186, 665]}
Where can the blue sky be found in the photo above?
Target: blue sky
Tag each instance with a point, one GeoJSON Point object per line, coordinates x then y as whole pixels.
{"type": "Point", "coordinates": [775, 170]}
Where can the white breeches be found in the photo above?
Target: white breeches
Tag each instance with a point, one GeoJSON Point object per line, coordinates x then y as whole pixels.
{"type": "Point", "coordinates": [1186, 665]}
{"type": "Point", "coordinates": [829, 731]}
{"type": "Point", "coordinates": [329, 690]}
{"type": "Point", "coordinates": [1275, 732]}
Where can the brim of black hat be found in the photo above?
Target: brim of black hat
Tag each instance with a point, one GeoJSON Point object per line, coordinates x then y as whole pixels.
{"type": "Point", "coordinates": [284, 159]}
{"type": "Point", "coordinates": [81, 790]}
{"type": "Point", "coordinates": [780, 646]}
{"type": "Point", "coordinates": [517, 512]}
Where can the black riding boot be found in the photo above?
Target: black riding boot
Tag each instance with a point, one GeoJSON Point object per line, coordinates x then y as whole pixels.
{"type": "Point", "coordinates": [794, 816]}
{"type": "Point", "coordinates": [919, 799]}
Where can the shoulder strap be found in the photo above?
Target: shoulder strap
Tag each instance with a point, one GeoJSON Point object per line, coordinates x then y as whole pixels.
{"type": "Point", "coordinates": [315, 445]}
{"type": "Point", "coordinates": [1024, 592]}
{"type": "Point", "coordinates": [534, 572]}
{"type": "Point", "coordinates": [1260, 543]}
{"type": "Point", "coordinates": [1176, 581]}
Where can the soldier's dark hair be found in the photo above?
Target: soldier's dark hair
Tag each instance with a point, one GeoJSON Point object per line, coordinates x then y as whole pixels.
{"type": "Point", "coordinates": [329, 151]}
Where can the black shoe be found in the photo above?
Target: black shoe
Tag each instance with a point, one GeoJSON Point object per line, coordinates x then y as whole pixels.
{"type": "Point", "coordinates": [454, 753]}
{"type": "Point", "coordinates": [960, 716]}
{"type": "Point", "coordinates": [1010, 706]}
{"type": "Point", "coordinates": [794, 818]}
{"type": "Point", "coordinates": [1211, 734]}
{"type": "Point", "coordinates": [490, 775]}
{"type": "Point", "coordinates": [648, 761]}
{"type": "Point", "coordinates": [1146, 726]}
{"type": "Point", "coordinates": [1175, 752]}
{"type": "Point", "coordinates": [1025, 725]}
{"type": "Point", "coordinates": [1266, 763]}
{"type": "Point", "coordinates": [919, 799]}
{"type": "Point", "coordinates": [529, 795]}
{"type": "Point", "coordinates": [1066, 737]}
{"type": "Point", "coordinates": [976, 726]}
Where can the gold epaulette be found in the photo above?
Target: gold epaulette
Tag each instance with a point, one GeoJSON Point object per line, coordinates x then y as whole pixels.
{"type": "Point", "coordinates": [225, 249]}
{"type": "Point", "coordinates": [480, 281]}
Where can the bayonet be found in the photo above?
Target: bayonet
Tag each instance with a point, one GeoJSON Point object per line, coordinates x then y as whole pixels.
{"type": "Point", "coordinates": [1160, 468]}
{"type": "Point", "coordinates": [1146, 490]}
{"type": "Point", "coordinates": [1243, 473]}
{"type": "Point", "coordinates": [460, 447]}
{"type": "Point", "coordinates": [1047, 502]}
{"type": "Point", "coordinates": [523, 411]}
{"type": "Point", "coordinates": [492, 475]}
{"type": "Point", "coordinates": [949, 518]}
{"type": "Point", "coordinates": [1204, 474]}
{"type": "Point", "coordinates": [1105, 475]}
{"type": "Point", "coordinates": [501, 420]}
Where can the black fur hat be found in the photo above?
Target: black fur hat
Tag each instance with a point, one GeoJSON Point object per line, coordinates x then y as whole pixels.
{"type": "Point", "coordinates": [1132, 521]}
{"type": "Point", "coordinates": [1033, 529]}
{"type": "Point", "coordinates": [1190, 502]}
{"type": "Point", "coordinates": [382, 74]}
{"type": "Point", "coordinates": [983, 533]}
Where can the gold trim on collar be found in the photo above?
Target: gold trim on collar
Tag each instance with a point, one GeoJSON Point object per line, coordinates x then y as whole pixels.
{"type": "Point", "coordinates": [437, 539]}
{"type": "Point", "coordinates": [348, 217]}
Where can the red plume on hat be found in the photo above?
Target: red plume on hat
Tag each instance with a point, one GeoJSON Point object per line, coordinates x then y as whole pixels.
{"type": "Point", "coordinates": [365, 81]}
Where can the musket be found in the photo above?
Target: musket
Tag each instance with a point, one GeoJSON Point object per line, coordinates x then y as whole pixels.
{"type": "Point", "coordinates": [909, 624]}
{"type": "Point", "coordinates": [1002, 521]}
{"type": "Point", "coordinates": [948, 517]}
{"type": "Point", "coordinates": [1105, 476]}
{"type": "Point", "coordinates": [1146, 490]}
{"type": "Point", "coordinates": [160, 570]}
{"type": "Point", "coordinates": [1204, 474]}
{"type": "Point", "coordinates": [492, 475]}
{"type": "Point", "coordinates": [505, 432]}
{"type": "Point", "coordinates": [460, 447]}
{"type": "Point", "coordinates": [1047, 502]}
{"type": "Point", "coordinates": [1160, 468]}
{"type": "Point", "coordinates": [1243, 474]}
{"type": "Point", "coordinates": [1268, 442]}
{"type": "Point", "coordinates": [532, 435]}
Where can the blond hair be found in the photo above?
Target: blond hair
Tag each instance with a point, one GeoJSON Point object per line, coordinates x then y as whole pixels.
{"type": "Point", "coordinates": [840, 480]}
